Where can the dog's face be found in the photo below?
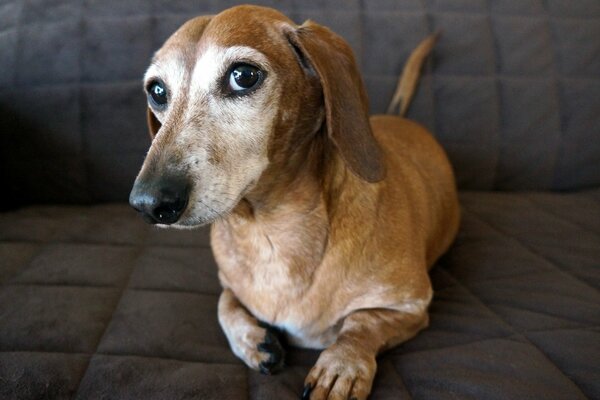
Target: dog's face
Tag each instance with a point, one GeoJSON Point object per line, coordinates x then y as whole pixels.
{"type": "Point", "coordinates": [230, 97]}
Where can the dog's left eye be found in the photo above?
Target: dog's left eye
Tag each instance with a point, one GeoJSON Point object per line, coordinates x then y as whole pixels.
{"type": "Point", "coordinates": [244, 77]}
{"type": "Point", "coordinates": [158, 93]}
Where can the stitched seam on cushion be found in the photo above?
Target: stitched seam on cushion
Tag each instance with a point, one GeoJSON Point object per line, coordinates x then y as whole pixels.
{"type": "Point", "coordinates": [99, 242]}
{"type": "Point", "coordinates": [499, 278]}
{"type": "Point", "coordinates": [68, 353]}
{"type": "Point", "coordinates": [556, 85]}
{"type": "Point", "coordinates": [546, 313]}
{"type": "Point", "coordinates": [444, 75]}
{"type": "Point", "coordinates": [449, 76]}
{"type": "Point", "coordinates": [428, 76]}
{"type": "Point", "coordinates": [548, 357]}
{"type": "Point", "coordinates": [167, 290]}
{"type": "Point", "coordinates": [499, 317]}
{"type": "Point", "coordinates": [69, 285]}
{"type": "Point", "coordinates": [589, 195]}
{"type": "Point", "coordinates": [458, 345]}
{"type": "Point", "coordinates": [168, 358]}
{"type": "Point", "coordinates": [499, 103]}
{"type": "Point", "coordinates": [549, 263]}
{"type": "Point", "coordinates": [390, 353]}
{"type": "Point", "coordinates": [10, 282]}
{"type": "Point", "coordinates": [543, 208]}
{"type": "Point", "coordinates": [85, 160]}
{"type": "Point", "coordinates": [117, 303]}
{"type": "Point", "coordinates": [25, 265]}
{"type": "Point", "coordinates": [481, 219]}
{"type": "Point", "coordinates": [527, 248]}
{"type": "Point", "coordinates": [109, 354]}
{"type": "Point", "coordinates": [577, 324]}
{"type": "Point", "coordinates": [18, 46]}
{"type": "Point", "coordinates": [592, 328]}
{"type": "Point", "coordinates": [361, 35]}
{"type": "Point", "coordinates": [523, 334]}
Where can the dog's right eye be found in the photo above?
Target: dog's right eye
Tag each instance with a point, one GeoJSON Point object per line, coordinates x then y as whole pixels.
{"type": "Point", "coordinates": [243, 78]}
{"type": "Point", "coordinates": [158, 93]}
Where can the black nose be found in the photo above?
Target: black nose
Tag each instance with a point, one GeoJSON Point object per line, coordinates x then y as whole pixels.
{"type": "Point", "coordinates": [162, 201]}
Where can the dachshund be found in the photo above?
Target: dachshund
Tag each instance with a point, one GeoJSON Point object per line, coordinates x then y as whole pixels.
{"type": "Point", "coordinates": [325, 221]}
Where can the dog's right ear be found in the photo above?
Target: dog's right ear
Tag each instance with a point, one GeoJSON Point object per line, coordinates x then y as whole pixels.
{"type": "Point", "coordinates": [153, 123]}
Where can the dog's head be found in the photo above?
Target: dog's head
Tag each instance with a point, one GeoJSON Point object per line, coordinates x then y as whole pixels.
{"type": "Point", "coordinates": [235, 97]}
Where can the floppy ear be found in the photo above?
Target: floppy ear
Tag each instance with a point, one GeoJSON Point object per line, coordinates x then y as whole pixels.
{"type": "Point", "coordinates": [345, 97]}
{"type": "Point", "coordinates": [153, 123]}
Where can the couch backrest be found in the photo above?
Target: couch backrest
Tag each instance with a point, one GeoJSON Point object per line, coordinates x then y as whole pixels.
{"type": "Point", "coordinates": [512, 90]}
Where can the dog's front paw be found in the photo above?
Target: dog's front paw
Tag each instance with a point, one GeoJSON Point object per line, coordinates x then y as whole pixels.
{"type": "Point", "coordinates": [260, 349]}
{"type": "Point", "coordinates": [272, 347]}
{"type": "Point", "coordinates": [342, 372]}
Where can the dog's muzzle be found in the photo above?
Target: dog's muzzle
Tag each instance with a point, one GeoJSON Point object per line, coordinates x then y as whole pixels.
{"type": "Point", "coordinates": [161, 201]}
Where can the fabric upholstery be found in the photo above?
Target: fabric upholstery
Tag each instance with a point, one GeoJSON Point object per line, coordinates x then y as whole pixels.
{"type": "Point", "coordinates": [512, 90]}
{"type": "Point", "coordinates": [95, 304]}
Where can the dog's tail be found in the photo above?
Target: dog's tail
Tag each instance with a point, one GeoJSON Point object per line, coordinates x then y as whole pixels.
{"type": "Point", "coordinates": [410, 75]}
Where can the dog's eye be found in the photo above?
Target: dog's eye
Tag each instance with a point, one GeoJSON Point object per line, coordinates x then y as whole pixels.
{"type": "Point", "coordinates": [158, 93]}
{"type": "Point", "coordinates": [243, 77]}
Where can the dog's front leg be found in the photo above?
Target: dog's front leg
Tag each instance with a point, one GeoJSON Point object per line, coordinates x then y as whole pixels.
{"type": "Point", "coordinates": [346, 369]}
{"type": "Point", "coordinates": [257, 346]}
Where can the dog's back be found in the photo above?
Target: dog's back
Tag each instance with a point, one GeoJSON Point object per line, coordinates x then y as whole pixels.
{"type": "Point", "coordinates": [418, 167]}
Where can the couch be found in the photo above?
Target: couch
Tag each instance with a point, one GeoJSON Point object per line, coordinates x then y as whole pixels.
{"type": "Point", "coordinates": [95, 304]}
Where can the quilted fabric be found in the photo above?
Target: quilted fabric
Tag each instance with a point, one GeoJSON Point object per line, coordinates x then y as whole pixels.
{"type": "Point", "coordinates": [512, 90]}
{"type": "Point", "coordinates": [95, 304]}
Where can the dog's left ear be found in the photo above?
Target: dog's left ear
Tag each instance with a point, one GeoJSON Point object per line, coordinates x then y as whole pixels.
{"type": "Point", "coordinates": [153, 123]}
{"type": "Point", "coordinates": [345, 97]}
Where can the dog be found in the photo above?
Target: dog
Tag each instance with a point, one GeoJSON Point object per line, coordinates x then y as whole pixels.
{"type": "Point", "coordinates": [325, 222]}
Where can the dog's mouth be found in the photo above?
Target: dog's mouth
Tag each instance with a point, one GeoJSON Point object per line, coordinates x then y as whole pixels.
{"type": "Point", "coordinates": [193, 218]}
{"type": "Point", "coordinates": [201, 212]}
{"type": "Point", "coordinates": [173, 202]}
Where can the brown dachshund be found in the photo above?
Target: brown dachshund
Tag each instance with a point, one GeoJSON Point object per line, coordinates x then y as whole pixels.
{"type": "Point", "coordinates": [324, 221]}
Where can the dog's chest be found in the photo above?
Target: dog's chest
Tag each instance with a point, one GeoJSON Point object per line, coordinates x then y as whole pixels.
{"type": "Point", "coordinates": [270, 266]}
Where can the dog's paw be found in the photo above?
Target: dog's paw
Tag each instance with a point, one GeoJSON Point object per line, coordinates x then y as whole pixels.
{"type": "Point", "coordinates": [260, 349]}
{"type": "Point", "coordinates": [341, 373]}
{"type": "Point", "coordinates": [272, 347]}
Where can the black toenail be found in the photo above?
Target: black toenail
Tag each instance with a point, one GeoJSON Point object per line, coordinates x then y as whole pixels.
{"type": "Point", "coordinates": [306, 393]}
{"type": "Point", "coordinates": [265, 367]}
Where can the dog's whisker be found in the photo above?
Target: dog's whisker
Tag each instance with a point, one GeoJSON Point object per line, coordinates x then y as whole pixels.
{"type": "Point", "coordinates": [207, 206]}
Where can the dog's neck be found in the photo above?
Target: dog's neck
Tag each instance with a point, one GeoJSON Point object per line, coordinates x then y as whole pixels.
{"type": "Point", "coordinates": [310, 178]}
{"type": "Point", "coordinates": [286, 218]}
{"type": "Point", "coordinates": [293, 216]}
